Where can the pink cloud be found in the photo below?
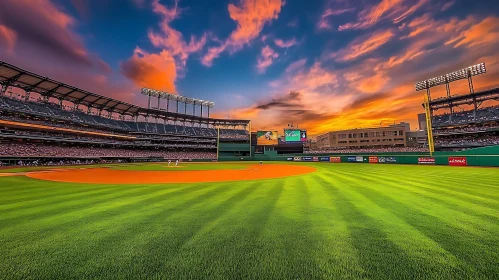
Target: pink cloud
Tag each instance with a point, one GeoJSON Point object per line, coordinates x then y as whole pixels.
{"type": "Point", "coordinates": [395, 10]}
{"type": "Point", "coordinates": [324, 22]}
{"type": "Point", "coordinates": [171, 39]}
{"type": "Point", "coordinates": [251, 16]}
{"type": "Point", "coordinates": [285, 44]}
{"type": "Point", "coordinates": [8, 38]}
{"type": "Point", "coordinates": [267, 57]}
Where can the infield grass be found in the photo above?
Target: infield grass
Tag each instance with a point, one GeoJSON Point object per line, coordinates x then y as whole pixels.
{"type": "Point", "coordinates": [345, 221]}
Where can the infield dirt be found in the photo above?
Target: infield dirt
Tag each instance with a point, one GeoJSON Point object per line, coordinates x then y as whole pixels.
{"type": "Point", "coordinates": [112, 176]}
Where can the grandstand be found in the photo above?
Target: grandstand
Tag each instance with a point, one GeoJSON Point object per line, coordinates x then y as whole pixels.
{"type": "Point", "coordinates": [46, 119]}
{"type": "Point", "coordinates": [464, 129]}
{"type": "Point", "coordinates": [472, 125]}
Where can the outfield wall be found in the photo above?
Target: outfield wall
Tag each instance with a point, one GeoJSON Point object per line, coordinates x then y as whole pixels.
{"type": "Point", "coordinates": [486, 156]}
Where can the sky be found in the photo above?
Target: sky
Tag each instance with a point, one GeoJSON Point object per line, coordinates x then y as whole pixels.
{"type": "Point", "coordinates": [322, 65]}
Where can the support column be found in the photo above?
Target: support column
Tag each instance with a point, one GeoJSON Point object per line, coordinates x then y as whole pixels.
{"type": "Point", "coordinates": [167, 103]}
{"type": "Point", "coordinates": [201, 110]}
{"type": "Point", "coordinates": [185, 108]}
{"type": "Point", "coordinates": [158, 103]}
{"type": "Point", "coordinates": [208, 111]}
{"type": "Point", "coordinates": [149, 102]}
{"type": "Point", "coordinates": [4, 89]}
{"type": "Point", "coordinates": [193, 109]}
{"type": "Point", "coordinates": [177, 106]}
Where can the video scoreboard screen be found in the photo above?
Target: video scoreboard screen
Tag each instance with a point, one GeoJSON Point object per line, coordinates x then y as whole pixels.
{"type": "Point", "coordinates": [265, 138]}
{"type": "Point", "coordinates": [295, 135]}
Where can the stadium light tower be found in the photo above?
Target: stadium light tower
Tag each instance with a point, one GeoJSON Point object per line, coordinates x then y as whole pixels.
{"type": "Point", "coordinates": [465, 73]}
{"type": "Point", "coordinates": [175, 97]}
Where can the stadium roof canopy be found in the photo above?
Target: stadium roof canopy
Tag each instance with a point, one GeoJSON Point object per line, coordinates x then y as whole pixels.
{"type": "Point", "coordinates": [465, 99]}
{"type": "Point", "coordinates": [14, 76]}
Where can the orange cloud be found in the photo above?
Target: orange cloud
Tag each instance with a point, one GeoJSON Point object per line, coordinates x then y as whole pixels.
{"type": "Point", "coordinates": [374, 83]}
{"type": "Point", "coordinates": [155, 71]}
{"type": "Point", "coordinates": [171, 39]}
{"type": "Point", "coordinates": [364, 45]}
{"type": "Point", "coordinates": [267, 57]}
{"type": "Point", "coordinates": [395, 10]}
{"type": "Point", "coordinates": [8, 37]}
{"type": "Point", "coordinates": [285, 44]}
{"type": "Point", "coordinates": [484, 32]}
{"type": "Point", "coordinates": [250, 16]}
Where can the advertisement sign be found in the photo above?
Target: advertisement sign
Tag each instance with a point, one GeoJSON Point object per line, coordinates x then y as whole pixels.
{"type": "Point", "coordinates": [458, 161]}
{"type": "Point", "coordinates": [351, 159]}
{"type": "Point", "coordinates": [359, 159]}
{"type": "Point", "coordinates": [391, 159]}
{"type": "Point", "coordinates": [214, 160]}
{"type": "Point", "coordinates": [292, 135]}
{"type": "Point", "coordinates": [315, 159]}
{"type": "Point", "coordinates": [387, 159]}
{"type": "Point", "coordinates": [306, 158]}
{"type": "Point", "coordinates": [289, 159]}
{"type": "Point", "coordinates": [426, 160]}
{"type": "Point", "coordinates": [264, 138]}
{"type": "Point", "coordinates": [324, 159]}
{"type": "Point", "coordinates": [303, 136]}
{"type": "Point", "coordinates": [334, 159]}
{"type": "Point", "coordinates": [297, 158]}
{"type": "Point", "coordinates": [373, 159]}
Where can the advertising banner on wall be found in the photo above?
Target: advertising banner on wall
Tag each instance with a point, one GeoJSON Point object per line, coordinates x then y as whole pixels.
{"type": "Point", "coordinates": [373, 159]}
{"type": "Point", "coordinates": [334, 159]}
{"type": "Point", "coordinates": [297, 158]}
{"type": "Point", "coordinates": [351, 159]}
{"type": "Point", "coordinates": [359, 158]}
{"type": "Point", "coordinates": [306, 158]}
{"type": "Point", "coordinates": [315, 158]}
{"type": "Point", "coordinates": [426, 160]}
{"type": "Point", "coordinates": [458, 161]}
{"type": "Point", "coordinates": [387, 159]}
{"type": "Point", "coordinates": [326, 159]}
{"type": "Point", "coordinates": [290, 159]}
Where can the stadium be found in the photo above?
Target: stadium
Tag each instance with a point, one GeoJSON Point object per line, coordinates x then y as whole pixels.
{"type": "Point", "coordinates": [95, 187]}
{"type": "Point", "coordinates": [165, 139]}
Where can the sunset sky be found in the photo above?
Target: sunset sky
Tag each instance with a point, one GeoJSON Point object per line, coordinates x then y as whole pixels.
{"type": "Point", "coordinates": [321, 64]}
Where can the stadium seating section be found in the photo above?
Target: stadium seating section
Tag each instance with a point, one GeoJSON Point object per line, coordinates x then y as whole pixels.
{"type": "Point", "coordinates": [71, 133]}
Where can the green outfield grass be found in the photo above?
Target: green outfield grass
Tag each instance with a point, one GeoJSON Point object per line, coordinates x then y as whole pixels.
{"type": "Point", "coordinates": [343, 221]}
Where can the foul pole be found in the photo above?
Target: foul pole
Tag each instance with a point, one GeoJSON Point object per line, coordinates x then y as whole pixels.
{"type": "Point", "coordinates": [250, 137]}
{"type": "Point", "coordinates": [429, 127]}
{"type": "Point", "coordinates": [218, 141]}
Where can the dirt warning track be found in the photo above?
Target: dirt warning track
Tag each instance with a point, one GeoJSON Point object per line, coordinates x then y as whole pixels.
{"type": "Point", "coordinates": [112, 176]}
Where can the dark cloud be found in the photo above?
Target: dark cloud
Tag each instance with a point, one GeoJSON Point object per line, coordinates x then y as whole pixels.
{"type": "Point", "coordinates": [287, 101]}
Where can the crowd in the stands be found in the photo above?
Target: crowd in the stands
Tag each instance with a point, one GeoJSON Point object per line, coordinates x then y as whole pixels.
{"type": "Point", "coordinates": [470, 116]}
{"type": "Point", "coordinates": [467, 129]}
{"type": "Point", "coordinates": [468, 140]}
{"type": "Point", "coordinates": [43, 150]}
{"type": "Point", "coordinates": [180, 142]}
{"type": "Point", "coordinates": [368, 150]}
{"type": "Point", "coordinates": [55, 116]}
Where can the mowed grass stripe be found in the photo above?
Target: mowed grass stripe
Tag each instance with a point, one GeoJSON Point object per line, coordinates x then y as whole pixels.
{"type": "Point", "coordinates": [416, 249]}
{"type": "Point", "coordinates": [109, 229]}
{"type": "Point", "coordinates": [468, 242]}
{"type": "Point", "coordinates": [228, 237]}
{"type": "Point", "coordinates": [426, 189]}
{"type": "Point", "coordinates": [345, 221]}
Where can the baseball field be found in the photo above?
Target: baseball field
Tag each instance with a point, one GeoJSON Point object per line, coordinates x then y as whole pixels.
{"type": "Point", "coordinates": [250, 221]}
